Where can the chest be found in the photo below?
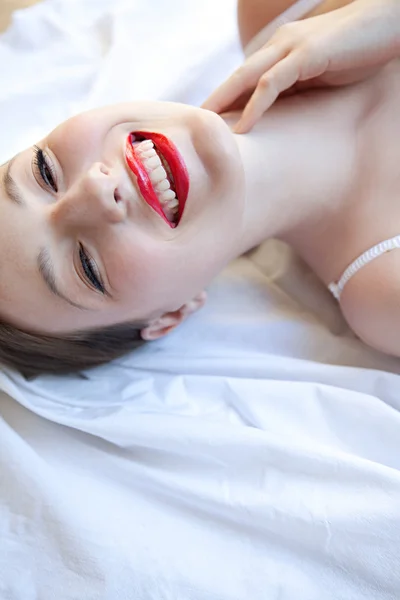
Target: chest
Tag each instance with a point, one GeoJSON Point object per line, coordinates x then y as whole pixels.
{"type": "Point", "coordinates": [363, 130]}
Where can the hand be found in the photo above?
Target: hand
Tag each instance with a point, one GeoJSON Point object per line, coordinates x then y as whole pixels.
{"type": "Point", "coordinates": [336, 48]}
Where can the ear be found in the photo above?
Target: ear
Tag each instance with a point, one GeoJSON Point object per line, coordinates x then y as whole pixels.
{"type": "Point", "coordinates": [168, 321]}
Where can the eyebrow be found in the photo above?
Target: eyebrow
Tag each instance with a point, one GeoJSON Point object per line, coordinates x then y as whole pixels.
{"type": "Point", "coordinates": [47, 272]}
{"type": "Point", "coordinates": [44, 261]}
{"type": "Point", "coordinates": [10, 185]}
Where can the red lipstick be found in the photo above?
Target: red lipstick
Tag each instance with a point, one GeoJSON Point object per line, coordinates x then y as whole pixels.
{"type": "Point", "coordinates": [169, 154]}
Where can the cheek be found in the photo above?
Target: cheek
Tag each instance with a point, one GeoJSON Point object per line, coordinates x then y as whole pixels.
{"type": "Point", "coordinates": [151, 276]}
{"type": "Point", "coordinates": [144, 275]}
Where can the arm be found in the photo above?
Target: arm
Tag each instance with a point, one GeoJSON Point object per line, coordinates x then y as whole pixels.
{"type": "Point", "coordinates": [329, 6]}
{"type": "Point", "coordinates": [332, 48]}
{"type": "Point", "coordinates": [254, 15]}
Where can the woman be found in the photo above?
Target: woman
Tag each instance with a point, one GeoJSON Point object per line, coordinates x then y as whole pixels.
{"type": "Point", "coordinates": [114, 223]}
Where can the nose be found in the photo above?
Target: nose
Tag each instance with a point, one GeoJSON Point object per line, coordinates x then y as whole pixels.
{"type": "Point", "coordinates": [92, 201]}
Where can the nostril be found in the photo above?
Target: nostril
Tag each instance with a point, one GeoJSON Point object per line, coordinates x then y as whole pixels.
{"type": "Point", "coordinates": [104, 170]}
{"type": "Point", "coordinates": [117, 196]}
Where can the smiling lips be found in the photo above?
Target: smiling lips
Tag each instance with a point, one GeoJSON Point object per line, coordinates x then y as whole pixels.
{"type": "Point", "coordinates": [161, 173]}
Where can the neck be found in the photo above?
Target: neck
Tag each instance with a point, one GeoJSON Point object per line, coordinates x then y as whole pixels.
{"type": "Point", "coordinates": [296, 163]}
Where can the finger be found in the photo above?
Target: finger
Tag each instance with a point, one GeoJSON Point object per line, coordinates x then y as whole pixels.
{"type": "Point", "coordinates": [244, 78]}
{"type": "Point", "coordinates": [271, 84]}
{"type": "Point", "coordinates": [239, 103]}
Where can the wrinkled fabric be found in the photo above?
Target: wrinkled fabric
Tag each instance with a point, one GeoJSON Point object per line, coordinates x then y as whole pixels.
{"type": "Point", "coordinates": [252, 454]}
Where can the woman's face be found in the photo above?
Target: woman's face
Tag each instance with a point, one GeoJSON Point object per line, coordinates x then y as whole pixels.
{"type": "Point", "coordinates": [80, 247]}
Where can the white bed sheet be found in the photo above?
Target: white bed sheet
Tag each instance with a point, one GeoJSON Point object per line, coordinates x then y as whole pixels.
{"type": "Point", "coordinates": [254, 453]}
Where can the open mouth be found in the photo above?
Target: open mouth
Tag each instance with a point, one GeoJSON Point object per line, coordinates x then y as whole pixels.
{"type": "Point", "coordinates": [161, 173]}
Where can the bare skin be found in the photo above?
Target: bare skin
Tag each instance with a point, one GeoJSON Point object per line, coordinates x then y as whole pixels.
{"type": "Point", "coordinates": [253, 15]}
{"type": "Point", "coordinates": [361, 207]}
{"type": "Point", "coordinates": [318, 170]}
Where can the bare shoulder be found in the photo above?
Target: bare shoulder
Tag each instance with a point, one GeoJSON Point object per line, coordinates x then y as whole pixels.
{"type": "Point", "coordinates": [253, 15]}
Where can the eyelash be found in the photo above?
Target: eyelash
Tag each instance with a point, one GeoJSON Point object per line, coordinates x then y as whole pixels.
{"type": "Point", "coordinates": [89, 267]}
{"type": "Point", "coordinates": [46, 172]}
{"type": "Point", "coordinates": [44, 169]}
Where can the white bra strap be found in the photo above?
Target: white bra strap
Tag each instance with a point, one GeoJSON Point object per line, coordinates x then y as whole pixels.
{"type": "Point", "coordinates": [361, 261]}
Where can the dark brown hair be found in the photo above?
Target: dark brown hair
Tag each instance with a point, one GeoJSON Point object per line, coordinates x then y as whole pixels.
{"type": "Point", "coordinates": [34, 354]}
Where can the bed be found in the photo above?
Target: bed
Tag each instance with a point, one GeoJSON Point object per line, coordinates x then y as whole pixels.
{"type": "Point", "coordinates": [252, 454]}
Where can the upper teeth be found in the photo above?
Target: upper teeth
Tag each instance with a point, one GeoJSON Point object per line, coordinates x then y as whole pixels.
{"type": "Point", "coordinates": [158, 177]}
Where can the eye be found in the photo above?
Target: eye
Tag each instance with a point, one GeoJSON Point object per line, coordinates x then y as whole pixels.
{"type": "Point", "coordinates": [90, 270]}
{"type": "Point", "coordinates": [43, 169]}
